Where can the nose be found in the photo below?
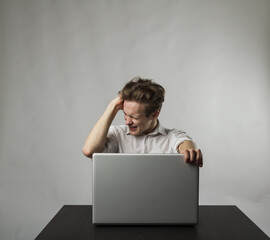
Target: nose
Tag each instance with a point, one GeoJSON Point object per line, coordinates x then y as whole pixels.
{"type": "Point", "coordinates": [128, 121]}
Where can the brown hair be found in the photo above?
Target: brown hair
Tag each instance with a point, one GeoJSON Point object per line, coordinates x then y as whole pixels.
{"type": "Point", "coordinates": [144, 91]}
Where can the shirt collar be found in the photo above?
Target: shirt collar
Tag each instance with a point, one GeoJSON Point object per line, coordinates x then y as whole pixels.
{"type": "Point", "coordinates": [159, 129]}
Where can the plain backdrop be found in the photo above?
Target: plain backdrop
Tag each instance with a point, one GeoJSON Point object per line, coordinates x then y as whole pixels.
{"type": "Point", "coordinates": [63, 61]}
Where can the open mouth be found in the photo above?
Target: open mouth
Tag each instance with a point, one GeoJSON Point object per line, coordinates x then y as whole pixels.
{"type": "Point", "coordinates": [132, 128]}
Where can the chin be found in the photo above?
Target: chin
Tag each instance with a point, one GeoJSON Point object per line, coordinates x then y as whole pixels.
{"type": "Point", "coordinates": [135, 133]}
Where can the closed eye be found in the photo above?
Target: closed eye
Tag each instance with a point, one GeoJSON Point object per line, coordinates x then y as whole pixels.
{"type": "Point", "coordinates": [130, 116]}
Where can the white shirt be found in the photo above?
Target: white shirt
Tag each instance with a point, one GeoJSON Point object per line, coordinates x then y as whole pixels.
{"type": "Point", "coordinates": [161, 140]}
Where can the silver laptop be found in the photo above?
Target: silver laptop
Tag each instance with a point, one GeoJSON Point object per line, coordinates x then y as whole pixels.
{"type": "Point", "coordinates": [144, 189]}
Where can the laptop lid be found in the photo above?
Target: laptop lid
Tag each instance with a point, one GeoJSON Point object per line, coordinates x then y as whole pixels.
{"type": "Point", "coordinates": [144, 189]}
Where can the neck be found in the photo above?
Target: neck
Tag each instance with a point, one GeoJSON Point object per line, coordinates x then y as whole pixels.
{"type": "Point", "coordinates": [152, 127]}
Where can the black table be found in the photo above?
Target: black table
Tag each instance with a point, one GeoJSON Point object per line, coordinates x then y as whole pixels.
{"type": "Point", "coordinates": [215, 222]}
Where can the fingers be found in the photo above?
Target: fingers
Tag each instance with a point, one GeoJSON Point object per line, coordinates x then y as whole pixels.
{"type": "Point", "coordinates": [199, 158]}
{"type": "Point", "coordinates": [187, 156]}
{"type": "Point", "coordinates": [193, 156]}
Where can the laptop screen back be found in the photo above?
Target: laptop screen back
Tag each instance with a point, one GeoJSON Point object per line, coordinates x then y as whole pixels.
{"type": "Point", "coordinates": [144, 189]}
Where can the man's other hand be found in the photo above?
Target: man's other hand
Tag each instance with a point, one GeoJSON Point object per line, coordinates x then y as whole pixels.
{"type": "Point", "coordinates": [193, 156]}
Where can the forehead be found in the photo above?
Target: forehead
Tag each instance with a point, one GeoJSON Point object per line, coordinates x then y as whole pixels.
{"type": "Point", "coordinates": [133, 108]}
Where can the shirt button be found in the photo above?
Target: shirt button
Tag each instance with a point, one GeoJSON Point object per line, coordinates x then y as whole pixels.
{"type": "Point", "coordinates": [145, 146]}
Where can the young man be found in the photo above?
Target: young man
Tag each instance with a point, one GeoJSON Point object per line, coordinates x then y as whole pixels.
{"type": "Point", "coordinates": [141, 101]}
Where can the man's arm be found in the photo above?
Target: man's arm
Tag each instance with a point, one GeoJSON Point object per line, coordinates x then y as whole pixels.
{"type": "Point", "coordinates": [192, 155]}
{"type": "Point", "coordinates": [96, 139]}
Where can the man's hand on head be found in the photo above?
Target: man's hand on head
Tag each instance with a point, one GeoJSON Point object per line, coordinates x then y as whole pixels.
{"type": "Point", "coordinates": [117, 103]}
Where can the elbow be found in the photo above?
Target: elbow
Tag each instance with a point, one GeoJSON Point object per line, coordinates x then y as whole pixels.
{"type": "Point", "coordinates": [87, 152]}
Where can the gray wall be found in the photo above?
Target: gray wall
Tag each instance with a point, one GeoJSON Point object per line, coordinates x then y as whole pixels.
{"type": "Point", "coordinates": [63, 61]}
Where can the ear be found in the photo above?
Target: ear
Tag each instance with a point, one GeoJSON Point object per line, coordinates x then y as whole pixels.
{"type": "Point", "coordinates": [155, 115]}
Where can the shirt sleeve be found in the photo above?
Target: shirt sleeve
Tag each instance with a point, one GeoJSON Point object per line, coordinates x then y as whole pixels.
{"type": "Point", "coordinates": [111, 143]}
{"type": "Point", "coordinates": [179, 137]}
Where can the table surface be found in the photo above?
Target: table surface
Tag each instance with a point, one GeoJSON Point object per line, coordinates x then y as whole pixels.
{"type": "Point", "coordinates": [215, 222]}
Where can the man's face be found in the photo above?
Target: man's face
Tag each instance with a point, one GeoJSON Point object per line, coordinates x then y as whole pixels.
{"type": "Point", "coordinates": [136, 119]}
